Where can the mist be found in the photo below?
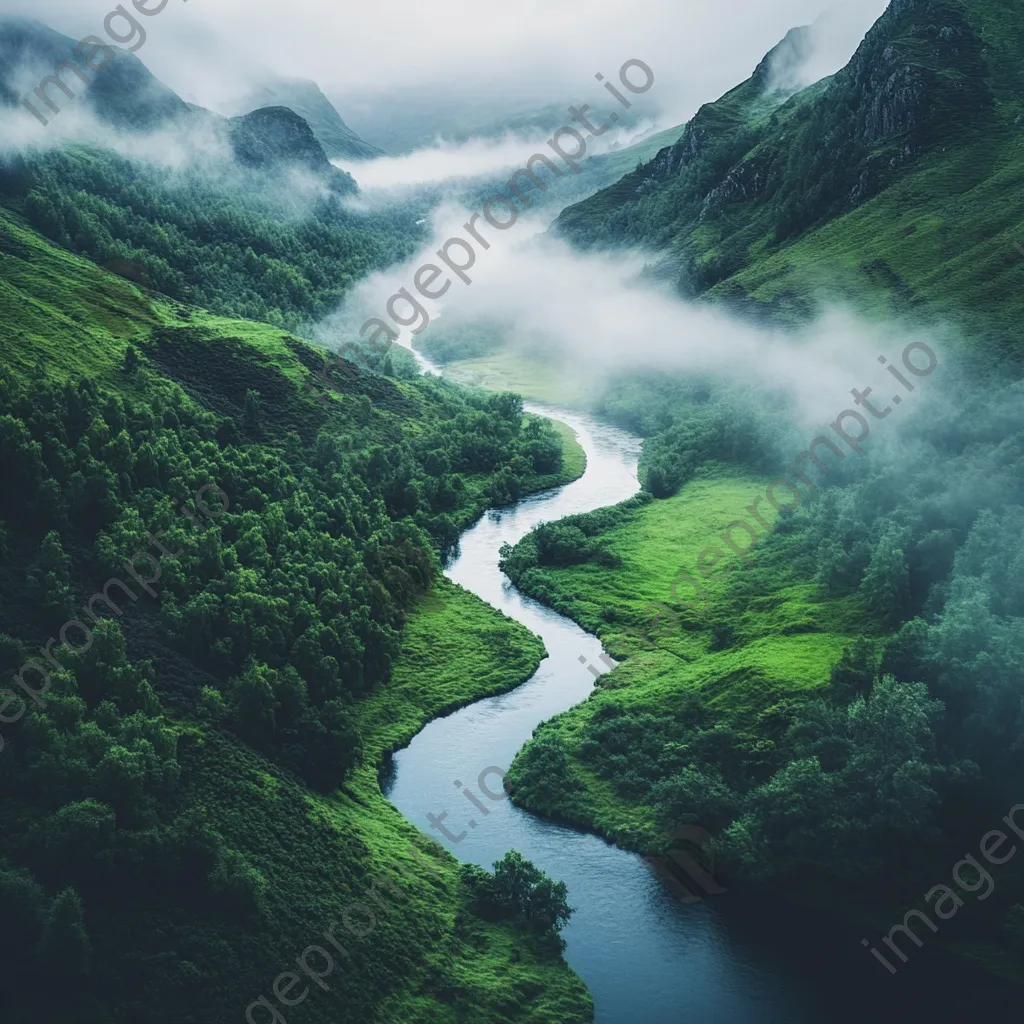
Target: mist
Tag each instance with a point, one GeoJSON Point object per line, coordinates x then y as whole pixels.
{"type": "Point", "coordinates": [449, 160]}
{"type": "Point", "coordinates": [595, 316]}
{"type": "Point", "coordinates": [193, 150]}
{"type": "Point", "coordinates": [494, 59]}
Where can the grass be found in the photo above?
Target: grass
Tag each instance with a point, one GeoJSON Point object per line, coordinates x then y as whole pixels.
{"type": "Point", "coordinates": [430, 959]}
{"type": "Point", "coordinates": [455, 650]}
{"type": "Point", "coordinates": [574, 456]}
{"type": "Point", "coordinates": [938, 243]}
{"type": "Point", "coordinates": [785, 635]}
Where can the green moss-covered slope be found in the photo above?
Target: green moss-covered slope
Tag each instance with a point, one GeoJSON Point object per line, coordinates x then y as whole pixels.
{"type": "Point", "coordinates": [194, 799]}
{"type": "Point", "coordinates": [894, 184]}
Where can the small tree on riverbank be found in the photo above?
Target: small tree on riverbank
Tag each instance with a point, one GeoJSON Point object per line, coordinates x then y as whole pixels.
{"type": "Point", "coordinates": [518, 889]}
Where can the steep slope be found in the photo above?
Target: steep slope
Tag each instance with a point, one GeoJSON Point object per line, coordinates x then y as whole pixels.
{"type": "Point", "coordinates": [164, 803]}
{"type": "Point", "coordinates": [307, 100]}
{"type": "Point", "coordinates": [925, 112]}
{"type": "Point", "coordinates": [125, 94]}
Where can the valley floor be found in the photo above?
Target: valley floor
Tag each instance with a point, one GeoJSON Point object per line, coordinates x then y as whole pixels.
{"type": "Point", "coordinates": [784, 634]}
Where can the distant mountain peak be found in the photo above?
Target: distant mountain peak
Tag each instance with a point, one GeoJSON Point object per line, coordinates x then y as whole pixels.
{"type": "Point", "coordinates": [779, 71]}
{"type": "Point", "coordinates": [305, 98]}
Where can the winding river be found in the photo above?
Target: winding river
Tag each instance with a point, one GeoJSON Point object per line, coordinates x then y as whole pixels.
{"type": "Point", "coordinates": [645, 956]}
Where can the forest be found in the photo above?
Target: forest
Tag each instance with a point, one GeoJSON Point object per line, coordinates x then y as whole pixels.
{"type": "Point", "coordinates": [271, 631]}
{"type": "Point", "coordinates": [911, 553]}
{"type": "Point", "coordinates": [243, 241]}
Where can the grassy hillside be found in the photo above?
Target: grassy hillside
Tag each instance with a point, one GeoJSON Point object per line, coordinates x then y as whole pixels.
{"type": "Point", "coordinates": [766, 635]}
{"type": "Point", "coordinates": [194, 799]}
{"type": "Point", "coordinates": [894, 184]}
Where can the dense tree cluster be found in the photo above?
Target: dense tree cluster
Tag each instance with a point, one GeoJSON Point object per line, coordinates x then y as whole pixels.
{"type": "Point", "coordinates": [270, 620]}
{"type": "Point", "coordinates": [242, 243]}
{"type": "Point", "coordinates": [921, 729]}
{"type": "Point", "coordinates": [519, 890]}
{"type": "Point", "coordinates": [297, 598]}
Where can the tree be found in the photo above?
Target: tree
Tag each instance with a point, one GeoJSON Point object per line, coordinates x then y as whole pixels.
{"type": "Point", "coordinates": [253, 701]}
{"type": "Point", "coordinates": [525, 889]}
{"type": "Point", "coordinates": [49, 576]}
{"type": "Point", "coordinates": [887, 579]}
{"type": "Point", "coordinates": [131, 361]}
{"type": "Point", "coordinates": [65, 944]}
{"type": "Point", "coordinates": [251, 421]}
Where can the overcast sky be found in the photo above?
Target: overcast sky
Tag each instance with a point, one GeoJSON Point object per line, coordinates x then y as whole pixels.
{"type": "Point", "coordinates": [505, 52]}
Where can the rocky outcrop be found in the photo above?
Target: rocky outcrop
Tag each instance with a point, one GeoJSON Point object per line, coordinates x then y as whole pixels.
{"type": "Point", "coordinates": [744, 182]}
{"type": "Point", "coordinates": [756, 164]}
{"type": "Point", "coordinates": [919, 71]}
{"type": "Point", "coordinates": [277, 136]}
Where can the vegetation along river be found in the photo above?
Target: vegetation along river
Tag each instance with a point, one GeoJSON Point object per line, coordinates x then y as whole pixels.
{"type": "Point", "coordinates": [644, 955]}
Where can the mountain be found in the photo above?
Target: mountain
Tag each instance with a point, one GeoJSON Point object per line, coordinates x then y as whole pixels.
{"type": "Point", "coordinates": [124, 94]}
{"type": "Point", "coordinates": [127, 96]}
{"type": "Point", "coordinates": [276, 135]}
{"type": "Point", "coordinates": [306, 99]}
{"type": "Point", "coordinates": [883, 165]}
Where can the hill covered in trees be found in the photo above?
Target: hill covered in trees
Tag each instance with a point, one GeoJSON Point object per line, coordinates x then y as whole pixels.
{"type": "Point", "coordinates": [895, 184]}
{"type": "Point", "coordinates": [214, 730]}
{"type": "Point", "coordinates": [244, 216]}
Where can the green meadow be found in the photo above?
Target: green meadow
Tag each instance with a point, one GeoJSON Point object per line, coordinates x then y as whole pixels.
{"type": "Point", "coordinates": [766, 634]}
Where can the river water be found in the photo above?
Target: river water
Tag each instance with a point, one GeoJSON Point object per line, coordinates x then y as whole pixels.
{"type": "Point", "coordinates": [645, 956]}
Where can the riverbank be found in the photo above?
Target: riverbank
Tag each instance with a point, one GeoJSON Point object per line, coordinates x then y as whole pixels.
{"type": "Point", "coordinates": [767, 636]}
{"type": "Point", "coordinates": [639, 951]}
{"type": "Point", "coordinates": [455, 650]}
{"type": "Point", "coordinates": [692, 690]}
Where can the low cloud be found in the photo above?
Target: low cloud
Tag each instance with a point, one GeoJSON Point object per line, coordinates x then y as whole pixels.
{"type": "Point", "coordinates": [826, 46]}
{"type": "Point", "coordinates": [595, 316]}
{"type": "Point", "coordinates": [476, 158]}
{"type": "Point", "coordinates": [514, 55]}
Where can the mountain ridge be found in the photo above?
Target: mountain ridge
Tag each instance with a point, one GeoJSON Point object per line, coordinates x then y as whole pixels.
{"type": "Point", "coordinates": [934, 89]}
{"type": "Point", "coordinates": [307, 99]}
{"type": "Point", "coordinates": [126, 95]}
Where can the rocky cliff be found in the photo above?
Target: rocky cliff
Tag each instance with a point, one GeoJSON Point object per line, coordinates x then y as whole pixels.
{"type": "Point", "coordinates": [761, 163]}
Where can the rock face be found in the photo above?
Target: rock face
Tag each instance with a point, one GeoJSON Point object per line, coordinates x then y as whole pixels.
{"type": "Point", "coordinates": [919, 73]}
{"type": "Point", "coordinates": [762, 162]}
{"type": "Point", "coordinates": [307, 100]}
